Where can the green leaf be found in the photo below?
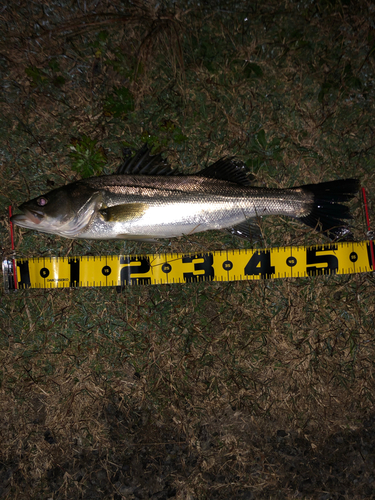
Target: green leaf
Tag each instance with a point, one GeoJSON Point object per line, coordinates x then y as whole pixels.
{"type": "Point", "coordinates": [179, 137]}
{"type": "Point", "coordinates": [252, 69]}
{"type": "Point", "coordinates": [58, 81]}
{"type": "Point", "coordinates": [261, 136]}
{"type": "Point", "coordinates": [37, 76]}
{"type": "Point", "coordinates": [87, 159]}
{"type": "Point", "coordinates": [255, 164]}
{"type": "Point", "coordinates": [54, 65]}
{"type": "Point", "coordinates": [103, 35]}
{"type": "Point", "coordinates": [120, 103]}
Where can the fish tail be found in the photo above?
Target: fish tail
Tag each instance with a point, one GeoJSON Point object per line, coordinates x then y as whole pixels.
{"type": "Point", "coordinates": [327, 212]}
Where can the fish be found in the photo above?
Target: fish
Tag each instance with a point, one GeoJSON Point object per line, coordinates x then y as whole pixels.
{"type": "Point", "coordinates": [146, 200]}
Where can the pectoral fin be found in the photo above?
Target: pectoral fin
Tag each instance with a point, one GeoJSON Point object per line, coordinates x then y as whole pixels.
{"type": "Point", "coordinates": [123, 213]}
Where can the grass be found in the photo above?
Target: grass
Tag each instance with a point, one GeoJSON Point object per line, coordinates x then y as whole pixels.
{"type": "Point", "coordinates": [206, 390]}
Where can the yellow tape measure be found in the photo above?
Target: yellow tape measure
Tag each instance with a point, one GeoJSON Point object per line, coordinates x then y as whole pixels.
{"type": "Point", "coordinates": [156, 269]}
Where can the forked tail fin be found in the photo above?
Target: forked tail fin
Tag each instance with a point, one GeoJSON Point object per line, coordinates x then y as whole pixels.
{"type": "Point", "coordinates": [328, 214]}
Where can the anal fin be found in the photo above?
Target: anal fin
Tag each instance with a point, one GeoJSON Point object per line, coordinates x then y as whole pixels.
{"type": "Point", "coordinates": [248, 230]}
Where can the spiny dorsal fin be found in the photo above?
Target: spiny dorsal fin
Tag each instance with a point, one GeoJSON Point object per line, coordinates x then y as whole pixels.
{"type": "Point", "coordinates": [144, 163]}
{"type": "Point", "coordinates": [227, 169]}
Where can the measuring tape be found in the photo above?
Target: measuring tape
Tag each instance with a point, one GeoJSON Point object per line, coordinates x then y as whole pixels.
{"type": "Point", "coordinates": [169, 268]}
{"type": "Point", "coordinates": [159, 269]}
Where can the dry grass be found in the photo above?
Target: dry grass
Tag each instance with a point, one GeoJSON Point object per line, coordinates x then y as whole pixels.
{"type": "Point", "coordinates": [206, 390]}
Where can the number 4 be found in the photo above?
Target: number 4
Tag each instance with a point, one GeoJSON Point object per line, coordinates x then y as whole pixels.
{"type": "Point", "coordinates": [260, 265]}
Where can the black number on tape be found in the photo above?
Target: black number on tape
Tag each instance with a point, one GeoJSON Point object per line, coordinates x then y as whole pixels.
{"type": "Point", "coordinates": [206, 266]}
{"type": "Point", "coordinates": [74, 272]}
{"type": "Point", "coordinates": [371, 264]}
{"type": "Point", "coordinates": [260, 265]}
{"type": "Point", "coordinates": [312, 259]}
{"type": "Point", "coordinates": [23, 274]}
{"type": "Point", "coordinates": [139, 265]}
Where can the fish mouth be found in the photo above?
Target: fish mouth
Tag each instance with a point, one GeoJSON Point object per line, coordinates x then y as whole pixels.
{"type": "Point", "coordinates": [28, 218]}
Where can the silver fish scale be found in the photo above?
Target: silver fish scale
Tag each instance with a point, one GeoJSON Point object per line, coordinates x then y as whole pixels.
{"type": "Point", "coordinates": [160, 190]}
{"type": "Point", "coordinates": [185, 205]}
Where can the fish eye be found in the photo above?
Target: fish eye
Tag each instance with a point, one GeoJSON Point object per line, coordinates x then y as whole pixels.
{"type": "Point", "coordinates": [42, 201]}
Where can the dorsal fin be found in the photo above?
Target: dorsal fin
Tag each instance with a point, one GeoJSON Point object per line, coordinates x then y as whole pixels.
{"type": "Point", "coordinates": [144, 163]}
{"type": "Point", "coordinates": [227, 169]}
